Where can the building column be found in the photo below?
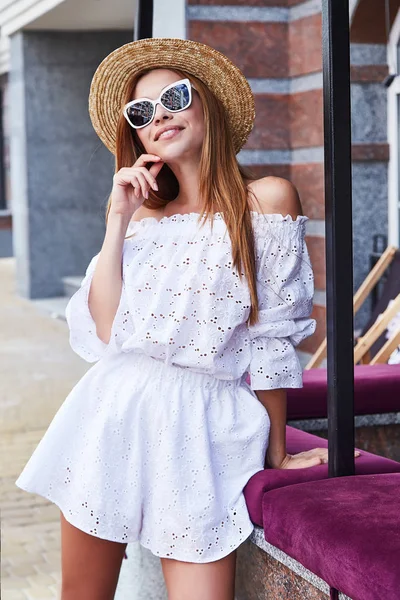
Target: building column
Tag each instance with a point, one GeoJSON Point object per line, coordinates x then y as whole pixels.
{"type": "Point", "coordinates": [61, 174]}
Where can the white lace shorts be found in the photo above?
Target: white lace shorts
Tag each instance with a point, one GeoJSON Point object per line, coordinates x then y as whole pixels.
{"type": "Point", "coordinates": [141, 450]}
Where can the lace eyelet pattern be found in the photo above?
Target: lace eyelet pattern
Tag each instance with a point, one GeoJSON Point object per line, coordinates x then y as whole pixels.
{"type": "Point", "coordinates": [183, 302]}
{"type": "Point", "coordinates": [158, 439]}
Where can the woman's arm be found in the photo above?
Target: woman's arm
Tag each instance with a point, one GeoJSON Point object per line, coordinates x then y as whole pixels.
{"type": "Point", "coordinates": [275, 404]}
{"type": "Point", "coordinates": [131, 186]}
{"type": "Point", "coordinates": [277, 457]}
{"type": "Point", "coordinates": [276, 195]}
{"type": "Point", "coordinates": [106, 286]}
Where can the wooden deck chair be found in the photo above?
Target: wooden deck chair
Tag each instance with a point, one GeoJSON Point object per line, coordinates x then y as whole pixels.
{"type": "Point", "coordinates": [372, 347]}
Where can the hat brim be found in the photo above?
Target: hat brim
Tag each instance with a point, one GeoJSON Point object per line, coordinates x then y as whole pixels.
{"type": "Point", "coordinates": [223, 78]}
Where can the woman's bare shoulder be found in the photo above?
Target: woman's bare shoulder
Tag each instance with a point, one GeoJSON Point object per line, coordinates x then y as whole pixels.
{"type": "Point", "coordinates": [273, 195]}
{"type": "Point", "coordinates": [142, 212]}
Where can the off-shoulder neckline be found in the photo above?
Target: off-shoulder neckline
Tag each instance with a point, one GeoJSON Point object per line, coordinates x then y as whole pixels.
{"type": "Point", "coordinates": [182, 217]}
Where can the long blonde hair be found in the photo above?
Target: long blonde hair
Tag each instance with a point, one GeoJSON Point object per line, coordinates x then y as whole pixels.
{"type": "Point", "coordinates": [222, 184]}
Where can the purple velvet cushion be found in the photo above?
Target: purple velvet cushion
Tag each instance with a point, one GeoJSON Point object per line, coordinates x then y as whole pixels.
{"type": "Point", "coordinates": [376, 390]}
{"type": "Point", "coordinates": [345, 530]}
{"type": "Point", "coordinates": [299, 441]}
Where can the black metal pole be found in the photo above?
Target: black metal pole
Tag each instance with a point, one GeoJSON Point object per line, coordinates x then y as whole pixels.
{"type": "Point", "coordinates": [2, 167]}
{"type": "Point", "coordinates": [339, 236]}
{"type": "Point", "coordinates": [144, 20]}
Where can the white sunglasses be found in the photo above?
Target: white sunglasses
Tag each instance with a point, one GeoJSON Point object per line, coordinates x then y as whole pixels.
{"type": "Point", "coordinates": [174, 98]}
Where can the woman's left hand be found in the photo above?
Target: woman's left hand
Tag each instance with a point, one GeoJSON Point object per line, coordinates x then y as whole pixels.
{"type": "Point", "coordinates": [308, 458]}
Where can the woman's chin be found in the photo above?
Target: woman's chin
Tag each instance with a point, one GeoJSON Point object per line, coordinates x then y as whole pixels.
{"type": "Point", "coordinates": [175, 152]}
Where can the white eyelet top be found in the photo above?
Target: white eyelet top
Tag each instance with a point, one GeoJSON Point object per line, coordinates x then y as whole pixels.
{"type": "Point", "coordinates": [183, 303]}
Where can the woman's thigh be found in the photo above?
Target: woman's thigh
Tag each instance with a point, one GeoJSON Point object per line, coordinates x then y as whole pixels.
{"type": "Point", "coordinates": [200, 581]}
{"type": "Point", "coordinates": [90, 565]}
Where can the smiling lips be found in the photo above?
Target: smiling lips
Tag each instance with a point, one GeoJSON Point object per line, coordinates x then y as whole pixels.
{"type": "Point", "coordinates": [168, 132]}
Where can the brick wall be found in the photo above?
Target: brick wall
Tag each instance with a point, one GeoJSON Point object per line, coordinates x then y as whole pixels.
{"type": "Point", "coordinates": [277, 44]}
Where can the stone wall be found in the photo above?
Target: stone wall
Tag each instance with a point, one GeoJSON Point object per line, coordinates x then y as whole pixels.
{"type": "Point", "coordinates": [61, 174]}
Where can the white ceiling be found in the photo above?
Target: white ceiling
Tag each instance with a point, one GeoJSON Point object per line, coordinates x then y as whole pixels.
{"type": "Point", "coordinates": [88, 15]}
{"type": "Point", "coordinates": [85, 15]}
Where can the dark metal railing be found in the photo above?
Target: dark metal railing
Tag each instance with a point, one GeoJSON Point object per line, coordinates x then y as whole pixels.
{"type": "Point", "coordinates": [339, 239]}
{"type": "Point", "coordinates": [144, 20]}
{"type": "Point", "coordinates": [339, 236]}
{"type": "Point", "coordinates": [379, 245]}
{"type": "Point", "coordinates": [3, 199]}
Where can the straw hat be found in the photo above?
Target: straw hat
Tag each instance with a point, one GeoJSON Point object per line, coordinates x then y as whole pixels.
{"type": "Point", "coordinates": [222, 77]}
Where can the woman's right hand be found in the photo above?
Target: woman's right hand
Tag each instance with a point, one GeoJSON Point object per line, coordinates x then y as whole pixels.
{"type": "Point", "coordinates": [301, 460]}
{"type": "Point", "coordinates": [131, 185]}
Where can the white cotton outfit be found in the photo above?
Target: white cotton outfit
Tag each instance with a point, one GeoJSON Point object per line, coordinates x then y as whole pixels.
{"type": "Point", "coordinates": [158, 439]}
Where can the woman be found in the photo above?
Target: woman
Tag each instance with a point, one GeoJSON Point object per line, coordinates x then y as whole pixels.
{"type": "Point", "coordinates": [157, 441]}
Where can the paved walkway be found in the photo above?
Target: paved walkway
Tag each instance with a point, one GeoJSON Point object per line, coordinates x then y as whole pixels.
{"type": "Point", "coordinates": [37, 371]}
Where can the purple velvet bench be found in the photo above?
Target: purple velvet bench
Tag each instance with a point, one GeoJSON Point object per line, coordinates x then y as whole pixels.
{"type": "Point", "coordinates": [346, 530]}
{"type": "Point", "coordinates": [376, 391]}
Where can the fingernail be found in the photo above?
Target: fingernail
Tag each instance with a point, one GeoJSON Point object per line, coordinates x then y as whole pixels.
{"type": "Point", "coordinates": [155, 186]}
{"type": "Point", "coordinates": [146, 194]}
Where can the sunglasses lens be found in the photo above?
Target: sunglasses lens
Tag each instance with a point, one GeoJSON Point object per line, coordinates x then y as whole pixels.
{"type": "Point", "coordinates": [176, 98]}
{"type": "Point", "coordinates": [140, 114]}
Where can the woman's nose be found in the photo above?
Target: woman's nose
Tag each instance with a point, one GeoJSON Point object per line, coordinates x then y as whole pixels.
{"type": "Point", "coordinates": [161, 114]}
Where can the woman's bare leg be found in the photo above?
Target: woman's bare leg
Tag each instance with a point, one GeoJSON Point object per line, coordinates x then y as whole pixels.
{"type": "Point", "coordinates": [200, 581]}
{"type": "Point", "coordinates": [90, 565]}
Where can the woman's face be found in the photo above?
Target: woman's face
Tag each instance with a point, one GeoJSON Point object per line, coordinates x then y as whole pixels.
{"type": "Point", "coordinates": [187, 127]}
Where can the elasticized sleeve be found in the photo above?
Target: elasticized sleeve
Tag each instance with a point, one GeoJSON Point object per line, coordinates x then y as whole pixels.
{"type": "Point", "coordinates": [285, 287]}
{"type": "Point", "coordinates": [83, 338]}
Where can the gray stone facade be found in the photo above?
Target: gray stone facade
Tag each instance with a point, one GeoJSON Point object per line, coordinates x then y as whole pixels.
{"type": "Point", "coordinates": [369, 178]}
{"type": "Point", "coordinates": [370, 217]}
{"type": "Point", "coordinates": [61, 174]}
